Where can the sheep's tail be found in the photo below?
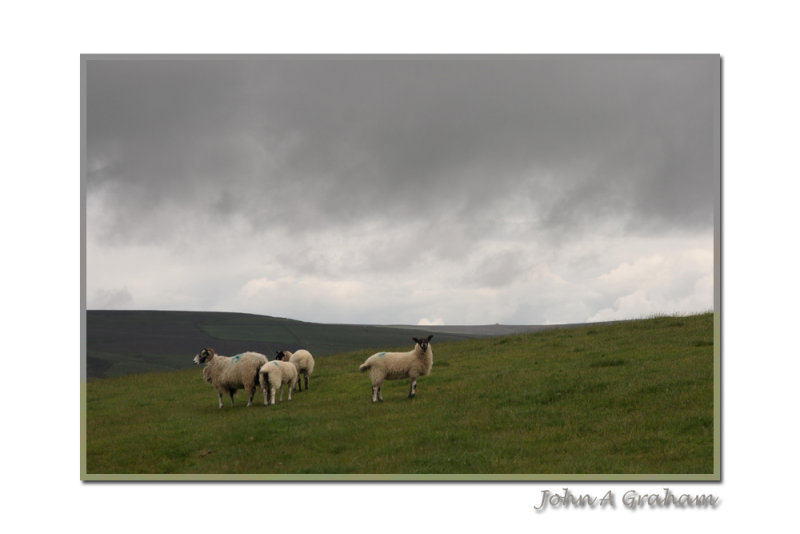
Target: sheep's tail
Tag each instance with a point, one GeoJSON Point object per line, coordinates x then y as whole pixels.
{"type": "Point", "coordinates": [364, 367]}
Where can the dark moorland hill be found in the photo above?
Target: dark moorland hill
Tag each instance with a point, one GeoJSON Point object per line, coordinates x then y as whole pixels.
{"type": "Point", "coordinates": [128, 342]}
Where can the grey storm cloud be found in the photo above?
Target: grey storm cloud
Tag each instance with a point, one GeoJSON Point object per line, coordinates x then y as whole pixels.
{"type": "Point", "coordinates": [341, 140]}
{"type": "Point", "coordinates": [249, 180]}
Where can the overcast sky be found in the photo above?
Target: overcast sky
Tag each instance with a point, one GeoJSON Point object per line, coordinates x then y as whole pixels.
{"type": "Point", "coordinates": [414, 190]}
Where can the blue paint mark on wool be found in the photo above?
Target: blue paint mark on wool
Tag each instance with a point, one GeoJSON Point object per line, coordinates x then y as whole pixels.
{"type": "Point", "coordinates": [237, 357]}
{"type": "Point", "coordinates": [381, 355]}
{"type": "Point", "coordinates": [275, 364]}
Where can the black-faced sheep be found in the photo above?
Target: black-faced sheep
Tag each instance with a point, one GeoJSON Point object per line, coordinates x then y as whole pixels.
{"type": "Point", "coordinates": [229, 373]}
{"type": "Point", "coordinates": [397, 365]}
{"type": "Point", "coordinates": [302, 359]}
{"type": "Point", "coordinates": [273, 375]}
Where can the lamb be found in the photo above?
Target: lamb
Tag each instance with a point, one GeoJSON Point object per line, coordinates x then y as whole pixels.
{"type": "Point", "coordinates": [273, 375]}
{"type": "Point", "coordinates": [229, 373]}
{"type": "Point", "coordinates": [396, 365]}
{"type": "Point", "coordinates": [302, 359]}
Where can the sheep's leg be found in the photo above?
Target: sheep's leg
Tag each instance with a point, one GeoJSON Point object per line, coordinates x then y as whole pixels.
{"type": "Point", "coordinates": [413, 388]}
{"type": "Point", "coordinates": [272, 393]}
{"type": "Point", "coordinates": [374, 394]}
{"type": "Point", "coordinates": [266, 395]}
{"type": "Point", "coordinates": [290, 390]}
{"type": "Point", "coordinates": [232, 392]}
{"type": "Point", "coordinates": [252, 394]}
{"type": "Point", "coordinates": [306, 382]}
{"type": "Point", "coordinates": [380, 397]}
{"type": "Point", "coordinates": [220, 398]}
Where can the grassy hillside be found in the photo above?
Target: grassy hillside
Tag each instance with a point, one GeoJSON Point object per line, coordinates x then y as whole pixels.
{"type": "Point", "coordinates": [632, 398]}
{"type": "Point", "coordinates": [126, 342]}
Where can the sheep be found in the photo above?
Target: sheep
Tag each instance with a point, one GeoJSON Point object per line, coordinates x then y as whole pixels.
{"type": "Point", "coordinates": [396, 365]}
{"type": "Point", "coordinates": [273, 375]}
{"type": "Point", "coordinates": [229, 373]}
{"type": "Point", "coordinates": [302, 359]}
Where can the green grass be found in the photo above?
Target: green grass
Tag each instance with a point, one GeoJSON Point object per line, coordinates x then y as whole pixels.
{"type": "Point", "coordinates": [632, 398]}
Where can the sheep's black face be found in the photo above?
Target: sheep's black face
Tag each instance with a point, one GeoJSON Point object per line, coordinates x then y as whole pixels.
{"type": "Point", "coordinates": [279, 355]}
{"type": "Point", "coordinates": [423, 343]}
{"type": "Point", "coordinates": [203, 356]}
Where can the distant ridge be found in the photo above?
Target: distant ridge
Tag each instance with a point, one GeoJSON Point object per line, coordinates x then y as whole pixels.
{"type": "Point", "coordinates": [494, 330]}
{"type": "Point", "coordinates": [121, 342]}
{"type": "Point", "coordinates": [487, 330]}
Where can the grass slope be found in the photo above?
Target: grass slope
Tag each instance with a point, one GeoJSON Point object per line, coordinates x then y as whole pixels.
{"type": "Point", "coordinates": [632, 398]}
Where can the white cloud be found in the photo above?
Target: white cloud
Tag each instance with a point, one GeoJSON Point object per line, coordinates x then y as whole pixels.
{"type": "Point", "coordinates": [430, 322]}
{"type": "Point", "coordinates": [673, 281]}
{"type": "Point", "coordinates": [112, 299]}
{"type": "Point", "coordinates": [594, 278]}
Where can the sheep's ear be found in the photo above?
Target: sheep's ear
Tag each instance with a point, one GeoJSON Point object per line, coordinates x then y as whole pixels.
{"type": "Point", "coordinates": [430, 337]}
{"type": "Point", "coordinates": [415, 340]}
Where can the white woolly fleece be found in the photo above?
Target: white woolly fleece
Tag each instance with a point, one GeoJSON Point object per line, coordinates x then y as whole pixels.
{"type": "Point", "coordinates": [230, 373]}
{"type": "Point", "coordinates": [273, 375]}
{"type": "Point", "coordinates": [397, 365]}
